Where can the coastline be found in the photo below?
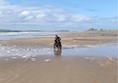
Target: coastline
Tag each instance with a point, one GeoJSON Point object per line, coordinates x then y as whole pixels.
{"type": "Point", "coordinates": [68, 38]}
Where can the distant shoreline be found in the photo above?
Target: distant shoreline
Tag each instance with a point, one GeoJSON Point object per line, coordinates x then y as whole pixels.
{"type": "Point", "coordinates": [7, 30]}
{"type": "Point", "coordinates": [63, 30]}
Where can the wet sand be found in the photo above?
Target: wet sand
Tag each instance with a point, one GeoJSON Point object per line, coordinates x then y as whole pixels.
{"type": "Point", "coordinates": [59, 70]}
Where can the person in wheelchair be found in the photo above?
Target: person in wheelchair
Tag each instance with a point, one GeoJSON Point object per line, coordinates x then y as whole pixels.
{"type": "Point", "coordinates": [57, 41]}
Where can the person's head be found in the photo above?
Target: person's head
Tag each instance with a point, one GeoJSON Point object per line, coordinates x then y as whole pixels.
{"type": "Point", "coordinates": [56, 35]}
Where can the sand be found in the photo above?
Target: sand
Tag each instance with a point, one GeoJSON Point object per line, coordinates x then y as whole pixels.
{"type": "Point", "coordinates": [60, 69]}
{"type": "Point", "coordinates": [68, 38]}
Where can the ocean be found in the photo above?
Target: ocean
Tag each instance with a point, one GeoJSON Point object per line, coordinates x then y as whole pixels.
{"type": "Point", "coordinates": [25, 34]}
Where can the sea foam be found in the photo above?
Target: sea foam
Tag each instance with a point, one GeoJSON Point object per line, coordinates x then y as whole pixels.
{"type": "Point", "coordinates": [24, 51]}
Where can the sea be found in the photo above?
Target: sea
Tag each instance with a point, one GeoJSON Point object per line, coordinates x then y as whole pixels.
{"type": "Point", "coordinates": [25, 34]}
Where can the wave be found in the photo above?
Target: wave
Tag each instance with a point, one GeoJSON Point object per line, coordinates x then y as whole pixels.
{"type": "Point", "coordinates": [12, 33]}
{"type": "Point", "coordinates": [29, 34]}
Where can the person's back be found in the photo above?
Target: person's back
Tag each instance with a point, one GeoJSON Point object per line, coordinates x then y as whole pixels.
{"type": "Point", "coordinates": [57, 39]}
{"type": "Point", "coordinates": [57, 43]}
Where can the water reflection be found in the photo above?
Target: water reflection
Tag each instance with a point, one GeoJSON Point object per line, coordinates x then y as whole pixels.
{"type": "Point", "coordinates": [57, 52]}
{"type": "Point", "coordinates": [109, 49]}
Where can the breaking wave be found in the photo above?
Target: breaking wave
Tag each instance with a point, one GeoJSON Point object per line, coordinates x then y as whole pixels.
{"type": "Point", "coordinates": [16, 35]}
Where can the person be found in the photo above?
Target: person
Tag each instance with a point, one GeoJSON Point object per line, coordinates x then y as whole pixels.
{"type": "Point", "coordinates": [57, 38]}
{"type": "Point", "coordinates": [57, 45]}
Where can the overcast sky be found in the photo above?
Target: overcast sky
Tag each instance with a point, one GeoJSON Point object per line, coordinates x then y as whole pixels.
{"type": "Point", "coordinates": [58, 14]}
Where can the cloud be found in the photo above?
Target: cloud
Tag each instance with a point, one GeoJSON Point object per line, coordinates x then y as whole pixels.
{"type": "Point", "coordinates": [2, 2]}
{"type": "Point", "coordinates": [80, 18]}
{"type": "Point", "coordinates": [49, 15]}
{"type": "Point", "coordinates": [45, 14]}
{"type": "Point", "coordinates": [104, 20]}
{"type": "Point", "coordinates": [25, 13]}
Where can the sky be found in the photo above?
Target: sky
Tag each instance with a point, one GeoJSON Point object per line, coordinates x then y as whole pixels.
{"type": "Point", "coordinates": [58, 14]}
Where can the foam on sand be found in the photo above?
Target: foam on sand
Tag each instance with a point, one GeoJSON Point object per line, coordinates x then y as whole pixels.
{"type": "Point", "coordinates": [24, 51]}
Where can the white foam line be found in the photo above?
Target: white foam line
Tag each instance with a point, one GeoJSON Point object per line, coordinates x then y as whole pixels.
{"type": "Point", "coordinates": [70, 46]}
{"type": "Point", "coordinates": [92, 46]}
{"type": "Point", "coordinates": [23, 51]}
{"type": "Point", "coordinates": [47, 60]}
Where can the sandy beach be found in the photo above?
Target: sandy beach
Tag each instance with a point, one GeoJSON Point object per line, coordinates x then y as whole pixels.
{"type": "Point", "coordinates": [58, 41]}
{"type": "Point", "coordinates": [60, 69]}
{"type": "Point", "coordinates": [68, 38]}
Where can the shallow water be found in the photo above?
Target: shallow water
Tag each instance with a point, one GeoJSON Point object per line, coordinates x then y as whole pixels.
{"type": "Point", "coordinates": [34, 51]}
{"type": "Point", "coordinates": [93, 50]}
{"type": "Point", "coordinates": [17, 35]}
